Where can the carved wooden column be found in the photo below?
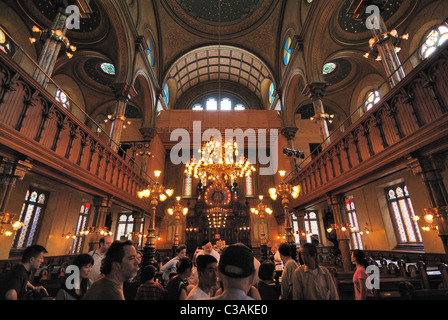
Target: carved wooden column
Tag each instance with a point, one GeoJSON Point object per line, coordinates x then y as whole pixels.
{"type": "Point", "coordinates": [148, 134]}
{"type": "Point", "coordinates": [429, 170]}
{"type": "Point", "coordinates": [315, 92]}
{"type": "Point", "coordinates": [11, 171]}
{"type": "Point", "coordinates": [138, 219]}
{"type": "Point", "coordinates": [123, 93]}
{"type": "Point", "coordinates": [336, 204]}
{"type": "Point", "coordinates": [101, 208]}
{"type": "Point", "coordinates": [50, 51]}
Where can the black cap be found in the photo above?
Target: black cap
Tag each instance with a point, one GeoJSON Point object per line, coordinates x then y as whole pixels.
{"type": "Point", "coordinates": [237, 261]}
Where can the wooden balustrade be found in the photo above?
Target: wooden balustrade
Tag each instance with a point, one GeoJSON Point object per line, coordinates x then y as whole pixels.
{"type": "Point", "coordinates": [412, 115]}
{"type": "Point", "coordinates": [33, 123]}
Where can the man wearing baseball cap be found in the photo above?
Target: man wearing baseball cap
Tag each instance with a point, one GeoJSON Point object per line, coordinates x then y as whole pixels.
{"type": "Point", "coordinates": [236, 271]}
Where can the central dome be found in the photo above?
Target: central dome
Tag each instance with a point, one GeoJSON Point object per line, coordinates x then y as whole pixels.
{"type": "Point", "coordinates": [224, 12]}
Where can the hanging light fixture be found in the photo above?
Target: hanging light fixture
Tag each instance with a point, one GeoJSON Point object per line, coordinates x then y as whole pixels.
{"type": "Point", "coordinates": [57, 35]}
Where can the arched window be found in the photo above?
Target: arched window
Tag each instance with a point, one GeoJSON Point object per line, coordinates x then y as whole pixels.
{"type": "Point", "coordinates": [81, 226]}
{"type": "Point", "coordinates": [353, 220]}
{"type": "Point", "coordinates": [287, 51]}
{"type": "Point", "coordinates": [32, 210]}
{"type": "Point", "coordinates": [434, 39]}
{"type": "Point", "coordinates": [402, 212]}
{"type": "Point", "coordinates": [125, 226]}
{"type": "Point", "coordinates": [372, 98]}
{"type": "Point", "coordinates": [197, 106]}
{"type": "Point", "coordinates": [62, 98]}
{"type": "Point", "coordinates": [212, 103]}
{"type": "Point", "coordinates": [311, 225]}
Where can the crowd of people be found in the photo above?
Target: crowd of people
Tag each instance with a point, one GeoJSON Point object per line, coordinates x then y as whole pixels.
{"type": "Point", "coordinates": [114, 272]}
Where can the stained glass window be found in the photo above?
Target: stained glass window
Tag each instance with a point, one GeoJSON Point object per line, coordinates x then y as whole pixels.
{"type": "Point", "coordinates": [150, 52]}
{"type": "Point", "coordinates": [287, 51]}
{"type": "Point", "coordinates": [356, 239]}
{"type": "Point", "coordinates": [125, 226]}
{"type": "Point", "coordinates": [81, 226]}
{"type": "Point", "coordinates": [108, 68]}
{"type": "Point", "coordinates": [400, 206]}
{"type": "Point", "coordinates": [434, 39]}
{"type": "Point", "coordinates": [311, 225]}
{"type": "Point", "coordinates": [372, 98]}
{"type": "Point", "coordinates": [32, 211]}
{"type": "Point", "coordinates": [197, 106]}
{"type": "Point", "coordinates": [329, 68]}
{"type": "Point", "coordinates": [167, 94]}
{"type": "Point", "coordinates": [5, 44]}
{"type": "Point", "coordinates": [62, 98]}
{"type": "Point", "coordinates": [271, 93]}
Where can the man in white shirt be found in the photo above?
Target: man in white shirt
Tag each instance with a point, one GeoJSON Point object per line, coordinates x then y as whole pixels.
{"type": "Point", "coordinates": [207, 248]}
{"type": "Point", "coordinates": [312, 281]}
{"type": "Point", "coordinates": [98, 256]}
{"type": "Point", "coordinates": [290, 266]}
{"type": "Point", "coordinates": [207, 268]}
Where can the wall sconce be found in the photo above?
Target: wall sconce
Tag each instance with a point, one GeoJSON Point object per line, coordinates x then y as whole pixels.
{"type": "Point", "coordinates": [8, 219]}
{"type": "Point", "coordinates": [56, 35]}
{"type": "Point", "coordinates": [191, 229]}
{"type": "Point", "coordinates": [69, 235]}
{"type": "Point", "coordinates": [322, 116]}
{"type": "Point", "coordinates": [429, 214]}
{"type": "Point", "coordinates": [366, 230]}
{"type": "Point", "coordinates": [102, 231]}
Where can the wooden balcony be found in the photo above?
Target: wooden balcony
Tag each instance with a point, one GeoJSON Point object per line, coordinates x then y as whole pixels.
{"type": "Point", "coordinates": [58, 145]}
{"type": "Point", "coordinates": [411, 119]}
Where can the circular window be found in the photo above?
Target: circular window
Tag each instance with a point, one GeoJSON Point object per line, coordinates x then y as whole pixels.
{"type": "Point", "coordinates": [287, 51]}
{"type": "Point", "coordinates": [108, 68]}
{"type": "Point", "coordinates": [434, 39]}
{"type": "Point", "coordinates": [329, 68]}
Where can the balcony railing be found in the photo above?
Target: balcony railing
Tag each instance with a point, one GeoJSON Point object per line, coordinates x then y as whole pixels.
{"type": "Point", "coordinates": [34, 124]}
{"type": "Point", "coordinates": [412, 115]}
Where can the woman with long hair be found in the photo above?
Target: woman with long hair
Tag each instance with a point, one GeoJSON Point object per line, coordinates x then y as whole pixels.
{"type": "Point", "coordinates": [360, 276]}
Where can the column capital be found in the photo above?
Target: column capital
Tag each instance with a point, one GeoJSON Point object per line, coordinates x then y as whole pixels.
{"type": "Point", "coordinates": [289, 132]}
{"type": "Point", "coordinates": [315, 90]}
{"type": "Point", "coordinates": [148, 133]}
{"type": "Point", "coordinates": [123, 91]}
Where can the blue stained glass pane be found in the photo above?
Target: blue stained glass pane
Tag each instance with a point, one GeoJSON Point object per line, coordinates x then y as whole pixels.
{"type": "Point", "coordinates": [33, 196]}
{"type": "Point", "coordinates": [41, 199]}
{"type": "Point", "coordinates": [33, 227]}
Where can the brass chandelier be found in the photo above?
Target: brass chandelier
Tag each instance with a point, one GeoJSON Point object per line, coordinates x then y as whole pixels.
{"type": "Point", "coordinates": [220, 163]}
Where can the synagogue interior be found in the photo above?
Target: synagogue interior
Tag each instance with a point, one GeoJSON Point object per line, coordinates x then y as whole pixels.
{"type": "Point", "coordinates": [261, 122]}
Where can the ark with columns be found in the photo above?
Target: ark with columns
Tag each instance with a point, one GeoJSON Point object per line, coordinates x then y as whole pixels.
{"type": "Point", "coordinates": [333, 125]}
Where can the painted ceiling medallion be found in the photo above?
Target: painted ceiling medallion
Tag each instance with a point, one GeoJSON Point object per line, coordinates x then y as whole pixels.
{"type": "Point", "coordinates": [224, 12]}
{"type": "Point", "coordinates": [225, 18]}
